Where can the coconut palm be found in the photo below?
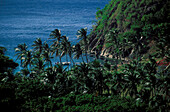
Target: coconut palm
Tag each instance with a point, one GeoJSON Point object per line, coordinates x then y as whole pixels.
{"type": "Point", "coordinates": [24, 55]}
{"type": "Point", "coordinates": [47, 54]}
{"type": "Point", "coordinates": [77, 51]}
{"type": "Point", "coordinates": [56, 37]}
{"type": "Point", "coordinates": [82, 35]}
{"type": "Point", "coordinates": [61, 46]}
{"type": "Point", "coordinates": [83, 82]}
{"type": "Point", "coordinates": [52, 72]}
{"type": "Point", "coordinates": [38, 45]}
{"type": "Point", "coordinates": [27, 59]}
{"type": "Point", "coordinates": [132, 78]}
{"type": "Point", "coordinates": [57, 77]}
{"type": "Point", "coordinates": [65, 47]}
{"type": "Point", "coordinates": [39, 64]}
{"type": "Point", "coordinates": [20, 51]}
{"type": "Point", "coordinates": [70, 52]}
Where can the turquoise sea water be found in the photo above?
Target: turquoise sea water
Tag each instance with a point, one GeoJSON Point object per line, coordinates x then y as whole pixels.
{"type": "Point", "coordinates": [22, 21]}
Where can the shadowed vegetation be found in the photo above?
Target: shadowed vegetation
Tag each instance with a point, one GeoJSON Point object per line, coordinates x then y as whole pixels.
{"type": "Point", "coordinates": [130, 80]}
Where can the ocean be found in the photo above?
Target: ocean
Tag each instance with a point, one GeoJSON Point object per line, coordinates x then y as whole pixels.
{"type": "Point", "coordinates": [22, 21]}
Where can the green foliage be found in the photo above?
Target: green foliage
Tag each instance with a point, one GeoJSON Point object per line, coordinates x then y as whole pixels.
{"type": "Point", "coordinates": [82, 34]}
{"type": "Point", "coordinates": [89, 102]}
{"type": "Point", "coordinates": [5, 62]}
{"type": "Point", "coordinates": [136, 86]}
{"type": "Point", "coordinates": [123, 26]}
{"type": "Point", "coordinates": [124, 15]}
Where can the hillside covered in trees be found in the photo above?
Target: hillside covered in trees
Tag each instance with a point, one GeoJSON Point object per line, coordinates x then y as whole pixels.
{"type": "Point", "coordinates": [131, 27]}
{"type": "Point", "coordinates": [126, 30]}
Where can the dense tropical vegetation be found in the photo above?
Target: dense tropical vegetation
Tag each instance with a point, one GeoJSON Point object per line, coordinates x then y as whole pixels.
{"type": "Point", "coordinates": [139, 24]}
{"type": "Point", "coordinates": [132, 79]}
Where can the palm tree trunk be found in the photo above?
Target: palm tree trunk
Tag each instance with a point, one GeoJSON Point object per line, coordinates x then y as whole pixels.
{"type": "Point", "coordinates": [66, 58]}
{"type": "Point", "coordinates": [50, 63]}
{"type": "Point", "coordinates": [86, 48]}
{"type": "Point", "coordinates": [87, 58]}
{"type": "Point", "coordinates": [72, 60]}
{"type": "Point", "coordinates": [82, 58]}
{"type": "Point", "coordinates": [60, 60]}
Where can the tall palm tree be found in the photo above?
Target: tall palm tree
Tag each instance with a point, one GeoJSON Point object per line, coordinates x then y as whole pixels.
{"type": "Point", "coordinates": [47, 54]}
{"type": "Point", "coordinates": [56, 37]}
{"type": "Point", "coordinates": [70, 52]}
{"type": "Point", "coordinates": [56, 34]}
{"type": "Point", "coordinates": [38, 45]}
{"type": "Point", "coordinates": [38, 63]}
{"type": "Point", "coordinates": [57, 51]}
{"type": "Point", "coordinates": [21, 51]}
{"type": "Point", "coordinates": [27, 59]}
{"type": "Point", "coordinates": [78, 51]}
{"type": "Point", "coordinates": [82, 35]}
{"type": "Point", "coordinates": [64, 47]}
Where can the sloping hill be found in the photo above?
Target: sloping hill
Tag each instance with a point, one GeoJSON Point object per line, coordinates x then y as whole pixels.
{"type": "Point", "coordinates": [130, 28]}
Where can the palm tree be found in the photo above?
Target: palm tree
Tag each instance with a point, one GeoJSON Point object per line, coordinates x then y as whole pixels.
{"type": "Point", "coordinates": [46, 54]}
{"type": "Point", "coordinates": [78, 51]}
{"type": "Point", "coordinates": [23, 54]}
{"type": "Point", "coordinates": [39, 64]}
{"type": "Point", "coordinates": [38, 45]}
{"type": "Point", "coordinates": [82, 80]}
{"type": "Point", "coordinates": [132, 78]}
{"type": "Point", "coordinates": [70, 52]}
{"type": "Point", "coordinates": [56, 39]}
{"type": "Point", "coordinates": [65, 47]}
{"type": "Point", "coordinates": [82, 34]}
{"type": "Point", "coordinates": [61, 46]}
{"type": "Point", "coordinates": [56, 34]}
{"type": "Point", "coordinates": [27, 59]}
{"type": "Point", "coordinates": [57, 77]}
{"type": "Point", "coordinates": [20, 51]}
